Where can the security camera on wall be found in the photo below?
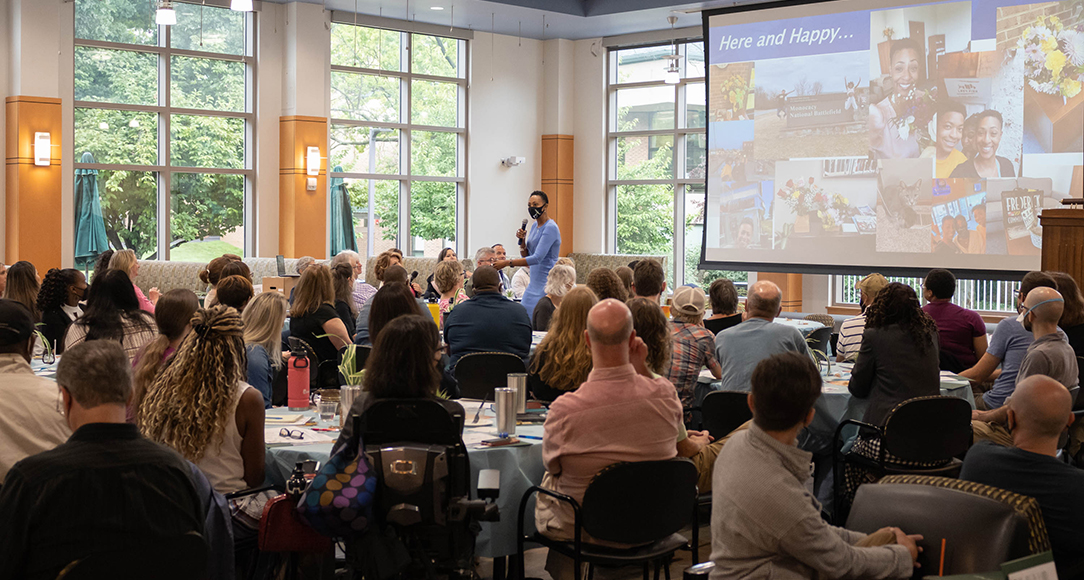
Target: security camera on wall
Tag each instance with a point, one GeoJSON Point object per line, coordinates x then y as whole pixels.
{"type": "Point", "coordinates": [513, 161]}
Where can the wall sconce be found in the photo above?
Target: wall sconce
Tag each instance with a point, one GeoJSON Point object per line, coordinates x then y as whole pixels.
{"type": "Point", "coordinates": [312, 167]}
{"type": "Point", "coordinates": [165, 15]}
{"type": "Point", "coordinates": [42, 149]}
{"type": "Point", "coordinates": [241, 5]}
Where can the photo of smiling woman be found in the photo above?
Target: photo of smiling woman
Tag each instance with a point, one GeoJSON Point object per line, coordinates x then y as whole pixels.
{"type": "Point", "coordinates": [888, 138]}
{"type": "Point", "coordinates": [986, 163]}
{"type": "Point", "coordinates": [950, 123]}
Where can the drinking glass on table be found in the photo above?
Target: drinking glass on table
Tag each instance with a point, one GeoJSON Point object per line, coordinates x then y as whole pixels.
{"type": "Point", "coordinates": [328, 409]}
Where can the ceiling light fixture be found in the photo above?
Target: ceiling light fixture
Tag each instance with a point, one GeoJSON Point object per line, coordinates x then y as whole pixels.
{"type": "Point", "coordinates": [241, 5]}
{"type": "Point", "coordinates": [166, 15]}
{"type": "Point", "coordinates": [436, 8]}
{"type": "Point", "coordinates": [673, 66]}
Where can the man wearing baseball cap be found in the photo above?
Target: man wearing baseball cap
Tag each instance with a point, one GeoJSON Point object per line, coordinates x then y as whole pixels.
{"type": "Point", "coordinates": [850, 332]}
{"type": "Point", "coordinates": [694, 346]}
{"type": "Point", "coordinates": [30, 421]}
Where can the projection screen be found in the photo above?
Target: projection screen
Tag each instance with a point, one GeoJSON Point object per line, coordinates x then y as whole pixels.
{"type": "Point", "coordinates": [850, 135]}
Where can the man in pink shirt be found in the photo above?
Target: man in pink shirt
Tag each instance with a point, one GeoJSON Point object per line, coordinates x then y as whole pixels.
{"type": "Point", "coordinates": [619, 414]}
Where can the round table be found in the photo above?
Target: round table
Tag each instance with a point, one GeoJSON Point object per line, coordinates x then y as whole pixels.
{"type": "Point", "coordinates": [520, 466]}
{"type": "Point", "coordinates": [806, 327]}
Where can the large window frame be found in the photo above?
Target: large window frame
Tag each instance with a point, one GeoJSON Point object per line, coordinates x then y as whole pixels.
{"type": "Point", "coordinates": [164, 111]}
{"type": "Point", "coordinates": [406, 176]}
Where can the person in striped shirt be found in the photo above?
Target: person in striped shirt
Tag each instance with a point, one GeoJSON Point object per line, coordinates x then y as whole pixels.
{"type": "Point", "coordinates": [850, 332]}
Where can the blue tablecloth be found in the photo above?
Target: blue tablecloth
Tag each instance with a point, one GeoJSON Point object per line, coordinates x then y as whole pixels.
{"type": "Point", "coordinates": [520, 467]}
{"type": "Point", "coordinates": [806, 327]}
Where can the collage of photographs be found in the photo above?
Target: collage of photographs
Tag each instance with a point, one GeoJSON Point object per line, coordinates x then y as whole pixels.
{"type": "Point", "coordinates": [949, 134]}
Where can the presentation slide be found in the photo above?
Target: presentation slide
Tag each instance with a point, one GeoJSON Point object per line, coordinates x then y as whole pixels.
{"type": "Point", "coordinates": [890, 135]}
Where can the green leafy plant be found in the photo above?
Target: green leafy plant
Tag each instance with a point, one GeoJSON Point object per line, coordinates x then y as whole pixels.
{"type": "Point", "coordinates": [349, 366]}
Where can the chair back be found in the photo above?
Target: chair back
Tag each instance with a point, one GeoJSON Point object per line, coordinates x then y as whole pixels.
{"type": "Point", "coordinates": [833, 341]}
{"type": "Point", "coordinates": [982, 526]}
{"type": "Point", "coordinates": [928, 429]}
{"type": "Point", "coordinates": [825, 319]}
{"type": "Point", "coordinates": [414, 420]}
{"type": "Point", "coordinates": [361, 354]}
{"type": "Point", "coordinates": [724, 411]}
{"type": "Point", "coordinates": [818, 340]}
{"type": "Point", "coordinates": [180, 558]}
{"type": "Point", "coordinates": [640, 502]}
{"type": "Point", "coordinates": [322, 373]}
{"type": "Point", "coordinates": [481, 372]}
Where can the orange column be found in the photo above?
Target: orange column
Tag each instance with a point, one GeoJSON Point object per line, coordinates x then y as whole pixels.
{"type": "Point", "coordinates": [557, 153]}
{"type": "Point", "coordinates": [790, 284]}
{"type": "Point", "coordinates": [302, 213]}
{"type": "Point", "coordinates": [33, 192]}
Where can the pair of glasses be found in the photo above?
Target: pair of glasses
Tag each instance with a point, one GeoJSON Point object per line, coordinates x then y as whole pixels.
{"type": "Point", "coordinates": [291, 433]}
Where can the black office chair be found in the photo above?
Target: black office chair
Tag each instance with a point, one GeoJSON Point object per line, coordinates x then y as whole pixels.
{"type": "Point", "coordinates": [818, 340]}
{"type": "Point", "coordinates": [614, 510]}
{"type": "Point", "coordinates": [833, 341]}
{"type": "Point", "coordinates": [481, 372]}
{"type": "Point", "coordinates": [982, 526]}
{"type": "Point", "coordinates": [934, 429]}
{"type": "Point", "coordinates": [361, 354]}
{"type": "Point", "coordinates": [181, 558]}
{"type": "Point", "coordinates": [724, 411]}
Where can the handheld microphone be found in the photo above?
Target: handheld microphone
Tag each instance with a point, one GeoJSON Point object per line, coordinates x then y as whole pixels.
{"type": "Point", "coordinates": [413, 275]}
{"type": "Point", "coordinates": [523, 226]}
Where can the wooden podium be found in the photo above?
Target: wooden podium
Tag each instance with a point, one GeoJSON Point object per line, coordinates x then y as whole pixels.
{"type": "Point", "coordinates": [1063, 239]}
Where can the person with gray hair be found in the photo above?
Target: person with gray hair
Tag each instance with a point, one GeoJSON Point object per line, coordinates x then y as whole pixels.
{"type": "Point", "coordinates": [561, 280]}
{"type": "Point", "coordinates": [485, 256]}
{"type": "Point", "coordinates": [739, 348]}
{"type": "Point", "coordinates": [361, 291]}
{"type": "Point", "coordinates": [106, 486]}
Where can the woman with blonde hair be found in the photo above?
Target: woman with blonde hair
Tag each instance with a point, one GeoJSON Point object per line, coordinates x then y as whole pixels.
{"type": "Point", "coordinates": [562, 361]}
{"type": "Point", "coordinates": [562, 278]}
{"type": "Point", "coordinates": [212, 273]}
{"type": "Point", "coordinates": [125, 261]}
{"type": "Point", "coordinates": [449, 277]}
{"type": "Point", "coordinates": [314, 320]}
{"type": "Point", "coordinates": [201, 406]}
{"type": "Point", "coordinates": [173, 316]}
{"type": "Point", "coordinates": [263, 320]}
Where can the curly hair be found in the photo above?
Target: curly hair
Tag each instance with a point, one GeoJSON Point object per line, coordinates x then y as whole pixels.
{"type": "Point", "coordinates": [562, 360]}
{"type": "Point", "coordinates": [605, 283]}
{"type": "Point", "coordinates": [447, 276]}
{"type": "Point", "coordinates": [172, 315]}
{"type": "Point", "coordinates": [898, 304]}
{"type": "Point", "coordinates": [188, 406]}
{"type": "Point", "coordinates": [54, 288]}
{"type": "Point", "coordinates": [652, 327]}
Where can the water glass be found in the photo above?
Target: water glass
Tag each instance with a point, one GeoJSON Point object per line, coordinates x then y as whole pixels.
{"type": "Point", "coordinates": [328, 409]}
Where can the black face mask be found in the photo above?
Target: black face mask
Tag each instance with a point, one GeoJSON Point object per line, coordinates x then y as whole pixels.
{"type": "Point", "coordinates": [536, 212]}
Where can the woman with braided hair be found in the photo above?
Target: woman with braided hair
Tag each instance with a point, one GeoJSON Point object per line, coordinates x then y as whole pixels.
{"type": "Point", "coordinates": [201, 406]}
{"type": "Point", "coordinates": [58, 302]}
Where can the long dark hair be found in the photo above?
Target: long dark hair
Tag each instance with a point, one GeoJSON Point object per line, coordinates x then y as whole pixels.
{"type": "Point", "coordinates": [172, 314]}
{"type": "Point", "coordinates": [111, 301]}
{"type": "Point", "coordinates": [402, 362]}
{"type": "Point", "coordinates": [393, 300]}
{"type": "Point", "coordinates": [54, 288]}
{"type": "Point", "coordinates": [898, 304]}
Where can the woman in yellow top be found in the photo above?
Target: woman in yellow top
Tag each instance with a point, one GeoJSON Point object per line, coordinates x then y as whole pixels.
{"type": "Point", "coordinates": [950, 124]}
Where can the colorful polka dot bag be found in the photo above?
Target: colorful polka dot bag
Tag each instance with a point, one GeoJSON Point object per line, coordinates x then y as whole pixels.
{"type": "Point", "coordinates": [339, 501]}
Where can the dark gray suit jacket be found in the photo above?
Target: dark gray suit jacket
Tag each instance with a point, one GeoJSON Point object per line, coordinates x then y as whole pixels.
{"type": "Point", "coordinates": [891, 369]}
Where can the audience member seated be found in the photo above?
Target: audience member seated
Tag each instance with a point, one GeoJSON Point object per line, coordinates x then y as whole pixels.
{"type": "Point", "coordinates": [605, 284]}
{"type": "Point", "coordinates": [212, 273]}
{"type": "Point", "coordinates": [520, 280]}
{"type": "Point", "coordinates": [29, 421]}
{"type": "Point", "coordinates": [489, 322]}
{"type": "Point", "coordinates": [314, 320]}
{"type": "Point", "coordinates": [58, 301]}
{"type": "Point", "coordinates": [263, 320]}
{"type": "Point", "coordinates": [486, 256]}
{"type": "Point", "coordinates": [342, 280]}
{"type": "Point", "coordinates": [360, 292]}
{"type": "Point", "coordinates": [235, 291]}
{"type": "Point", "coordinates": [23, 286]}
{"type": "Point", "coordinates": [562, 360]}
{"type": "Point", "coordinates": [561, 279]}
{"type": "Point", "coordinates": [738, 349]}
{"type": "Point", "coordinates": [113, 313]}
{"type": "Point", "coordinates": [499, 253]}
{"type": "Point", "coordinates": [173, 317]}
{"type": "Point", "coordinates": [618, 414]}
{"type": "Point", "coordinates": [200, 406]}
{"type": "Point", "coordinates": [1049, 355]}
{"type": "Point", "coordinates": [850, 332]}
{"type": "Point", "coordinates": [765, 522]}
{"type": "Point", "coordinates": [404, 364]}
{"type": "Point", "coordinates": [449, 275]}
{"type": "Point", "coordinates": [724, 306]}
{"type": "Point", "coordinates": [693, 346]}
{"type": "Point", "coordinates": [1007, 348]}
{"type": "Point", "coordinates": [962, 331]}
{"type": "Point", "coordinates": [106, 488]}
{"type": "Point", "coordinates": [648, 280]}
{"type": "Point", "coordinates": [1037, 415]}
{"type": "Point", "coordinates": [3, 277]}
{"type": "Point", "coordinates": [392, 275]}
{"type": "Point", "coordinates": [653, 328]}
{"type": "Point", "coordinates": [432, 293]}
{"type": "Point", "coordinates": [1072, 317]}
{"type": "Point", "coordinates": [101, 264]}
{"type": "Point", "coordinates": [126, 261]}
{"type": "Point", "coordinates": [897, 361]}
{"type": "Point", "coordinates": [625, 274]}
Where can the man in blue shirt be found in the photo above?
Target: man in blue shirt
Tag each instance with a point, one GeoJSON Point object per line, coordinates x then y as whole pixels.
{"type": "Point", "coordinates": [739, 348]}
{"type": "Point", "coordinates": [489, 322]}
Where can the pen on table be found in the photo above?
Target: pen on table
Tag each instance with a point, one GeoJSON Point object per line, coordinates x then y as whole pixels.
{"type": "Point", "coordinates": [322, 429]}
{"type": "Point", "coordinates": [529, 437]}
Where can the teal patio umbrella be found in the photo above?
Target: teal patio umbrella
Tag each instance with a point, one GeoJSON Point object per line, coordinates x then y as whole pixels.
{"type": "Point", "coordinates": [90, 238]}
{"type": "Point", "coordinates": [342, 217]}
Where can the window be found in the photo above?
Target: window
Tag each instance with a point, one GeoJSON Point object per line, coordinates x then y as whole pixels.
{"type": "Point", "coordinates": [164, 115]}
{"type": "Point", "coordinates": [981, 295]}
{"type": "Point", "coordinates": [397, 135]}
{"type": "Point", "coordinates": [657, 143]}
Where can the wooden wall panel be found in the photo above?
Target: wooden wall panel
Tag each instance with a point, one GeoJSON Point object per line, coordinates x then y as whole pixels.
{"type": "Point", "coordinates": [1063, 241]}
{"type": "Point", "coordinates": [302, 213]}
{"type": "Point", "coordinates": [790, 284]}
{"type": "Point", "coordinates": [557, 172]}
{"type": "Point", "coordinates": [33, 219]}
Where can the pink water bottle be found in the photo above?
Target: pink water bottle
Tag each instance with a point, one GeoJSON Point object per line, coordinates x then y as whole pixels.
{"type": "Point", "coordinates": [297, 379]}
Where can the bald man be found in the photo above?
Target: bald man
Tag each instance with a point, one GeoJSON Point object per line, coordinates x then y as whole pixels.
{"type": "Point", "coordinates": [1037, 414]}
{"type": "Point", "coordinates": [739, 348]}
{"type": "Point", "coordinates": [619, 414]}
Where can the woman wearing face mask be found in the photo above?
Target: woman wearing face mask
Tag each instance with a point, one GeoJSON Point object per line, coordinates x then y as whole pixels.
{"type": "Point", "coordinates": [884, 134]}
{"type": "Point", "coordinates": [986, 163]}
{"type": "Point", "coordinates": [58, 301]}
{"type": "Point", "coordinates": [543, 243]}
{"type": "Point", "coordinates": [950, 126]}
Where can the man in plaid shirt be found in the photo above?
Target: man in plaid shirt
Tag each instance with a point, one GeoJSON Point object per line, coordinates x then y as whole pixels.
{"type": "Point", "coordinates": [694, 345]}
